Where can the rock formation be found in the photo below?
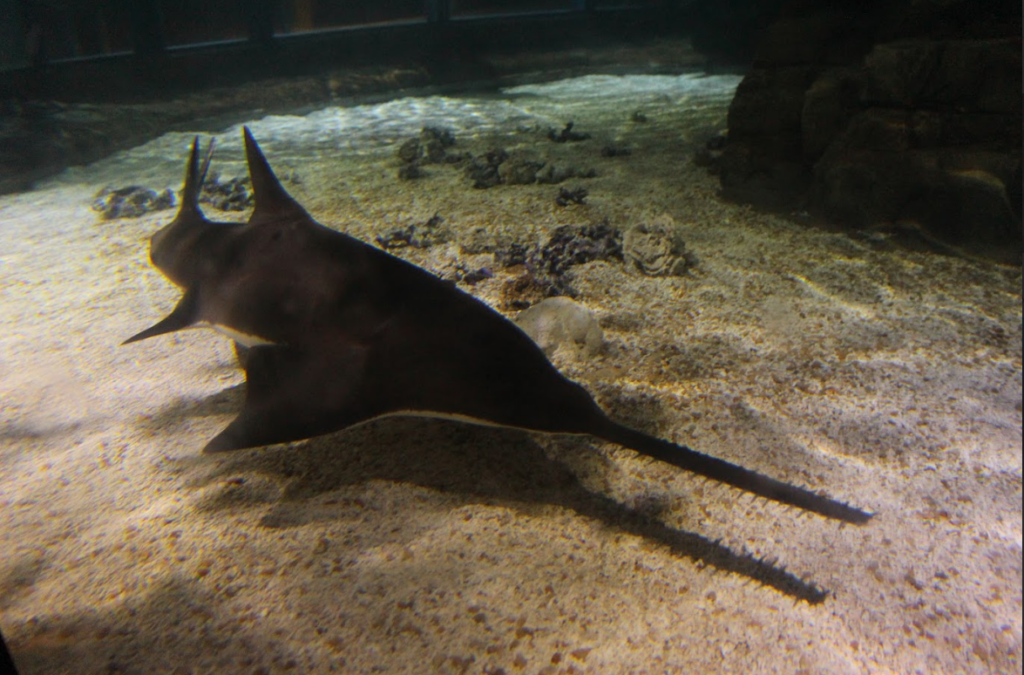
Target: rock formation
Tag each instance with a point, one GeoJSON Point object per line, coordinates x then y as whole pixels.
{"type": "Point", "coordinates": [879, 113]}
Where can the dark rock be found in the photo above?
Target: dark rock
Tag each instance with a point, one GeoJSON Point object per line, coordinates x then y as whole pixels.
{"type": "Point", "coordinates": [513, 254]}
{"type": "Point", "coordinates": [483, 170]}
{"type": "Point", "coordinates": [230, 195]}
{"type": "Point", "coordinates": [131, 202]}
{"type": "Point", "coordinates": [551, 174]}
{"type": "Point", "coordinates": [615, 151]}
{"type": "Point", "coordinates": [475, 276]}
{"type": "Point", "coordinates": [710, 155]}
{"type": "Point", "coordinates": [981, 76]}
{"type": "Point", "coordinates": [963, 199]}
{"type": "Point", "coordinates": [770, 102]}
{"type": "Point", "coordinates": [545, 270]}
{"type": "Point", "coordinates": [459, 272]}
{"type": "Point", "coordinates": [431, 151]}
{"type": "Point", "coordinates": [410, 171]}
{"type": "Point", "coordinates": [525, 289]}
{"type": "Point", "coordinates": [409, 151]}
{"type": "Point", "coordinates": [420, 235]}
{"type": "Point", "coordinates": [519, 170]}
{"type": "Point", "coordinates": [577, 244]}
{"type": "Point", "coordinates": [479, 240]}
{"type": "Point", "coordinates": [430, 147]}
{"type": "Point", "coordinates": [567, 135]}
{"type": "Point", "coordinates": [885, 112]}
{"type": "Point", "coordinates": [703, 157]}
{"type": "Point", "coordinates": [440, 135]}
{"type": "Point", "coordinates": [498, 167]}
{"type": "Point", "coordinates": [716, 142]}
{"type": "Point", "coordinates": [577, 195]}
{"type": "Point", "coordinates": [638, 117]}
{"type": "Point", "coordinates": [827, 107]}
{"type": "Point", "coordinates": [771, 176]}
{"type": "Point", "coordinates": [655, 249]}
{"type": "Point", "coordinates": [763, 162]}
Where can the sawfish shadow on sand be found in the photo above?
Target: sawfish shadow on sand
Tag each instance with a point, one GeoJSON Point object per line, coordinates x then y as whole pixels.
{"type": "Point", "coordinates": [128, 636]}
{"type": "Point", "coordinates": [473, 464]}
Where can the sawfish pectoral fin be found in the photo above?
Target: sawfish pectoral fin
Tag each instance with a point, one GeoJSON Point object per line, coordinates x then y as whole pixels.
{"type": "Point", "coordinates": [293, 393]}
{"type": "Point", "coordinates": [182, 316]}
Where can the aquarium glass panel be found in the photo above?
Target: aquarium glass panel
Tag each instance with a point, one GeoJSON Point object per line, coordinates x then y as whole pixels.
{"type": "Point", "coordinates": [47, 31]}
{"type": "Point", "coordinates": [619, 4]}
{"type": "Point", "coordinates": [476, 7]}
{"type": "Point", "coordinates": [305, 15]}
{"type": "Point", "coordinates": [194, 21]}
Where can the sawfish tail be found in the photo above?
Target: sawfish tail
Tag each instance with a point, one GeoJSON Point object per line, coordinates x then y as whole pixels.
{"type": "Point", "coordinates": [732, 474]}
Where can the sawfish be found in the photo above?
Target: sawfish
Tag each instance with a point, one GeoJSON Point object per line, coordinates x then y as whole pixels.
{"type": "Point", "coordinates": [340, 332]}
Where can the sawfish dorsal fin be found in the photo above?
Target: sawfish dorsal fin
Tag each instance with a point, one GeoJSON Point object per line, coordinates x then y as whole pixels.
{"type": "Point", "coordinates": [194, 178]}
{"type": "Point", "coordinates": [169, 248]}
{"type": "Point", "coordinates": [272, 200]}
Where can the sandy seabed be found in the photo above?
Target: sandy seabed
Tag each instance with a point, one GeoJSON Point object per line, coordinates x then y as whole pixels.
{"type": "Point", "coordinates": [888, 378]}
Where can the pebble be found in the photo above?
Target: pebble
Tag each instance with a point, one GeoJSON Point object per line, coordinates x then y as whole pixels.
{"type": "Point", "coordinates": [560, 323]}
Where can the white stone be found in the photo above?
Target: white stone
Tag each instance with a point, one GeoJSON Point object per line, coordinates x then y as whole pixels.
{"type": "Point", "coordinates": [562, 323]}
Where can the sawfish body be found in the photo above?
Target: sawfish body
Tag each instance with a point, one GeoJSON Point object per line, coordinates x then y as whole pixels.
{"type": "Point", "coordinates": [342, 332]}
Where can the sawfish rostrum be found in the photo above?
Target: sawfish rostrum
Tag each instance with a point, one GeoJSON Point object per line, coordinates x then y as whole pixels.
{"type": "Point", "coordinates": [342, 332]}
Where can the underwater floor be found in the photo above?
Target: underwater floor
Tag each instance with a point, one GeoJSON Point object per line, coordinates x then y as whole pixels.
{"type": "Point", "coordinates": [886, 377]}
